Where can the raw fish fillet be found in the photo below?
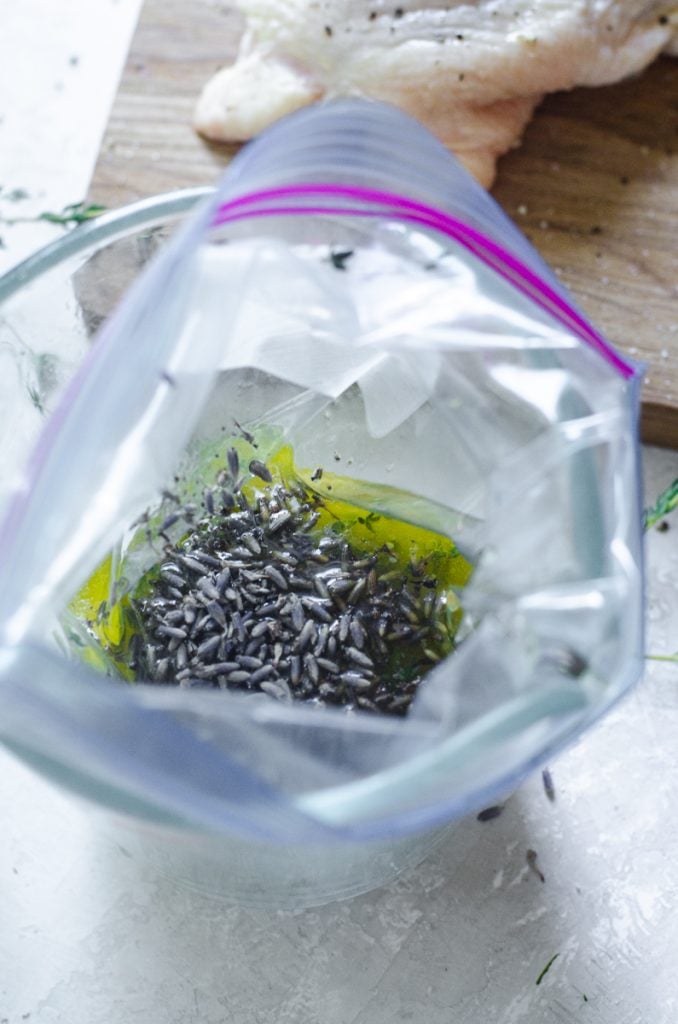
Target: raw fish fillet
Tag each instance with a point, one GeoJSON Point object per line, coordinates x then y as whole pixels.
{"type": "Point", "coordinates": [472, 72]}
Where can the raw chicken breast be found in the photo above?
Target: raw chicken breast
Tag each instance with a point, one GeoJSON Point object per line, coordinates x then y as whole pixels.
{"type": "Point", "coordinates": [472, 72]}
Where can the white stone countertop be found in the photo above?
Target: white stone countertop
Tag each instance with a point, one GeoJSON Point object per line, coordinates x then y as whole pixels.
{"type": "Point", "coordinates": [90, 936]}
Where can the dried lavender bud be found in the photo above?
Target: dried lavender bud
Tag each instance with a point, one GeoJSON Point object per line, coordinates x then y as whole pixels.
{"type": "Point", "coordinates": [242, 603]}
{"type": "Point", "coordinates": [489, 813]}
{"type": "Point", "coordinates": [233, 462]}
{"type": "Point", "coordinates": [259, 469]}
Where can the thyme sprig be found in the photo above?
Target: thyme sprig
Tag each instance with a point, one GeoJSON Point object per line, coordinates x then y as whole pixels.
{"type": "Point", "coordinates": [74, 213]}
{"type": "Point", "coordinates": [544, 971]}
{"type": "Point", "coordinates": [665, 503]}
{"type": "Point", "coordinates": [71, 215]}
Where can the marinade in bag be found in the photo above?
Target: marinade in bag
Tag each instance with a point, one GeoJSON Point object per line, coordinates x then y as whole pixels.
{"type": "Point", "coordinates": [340, 541]}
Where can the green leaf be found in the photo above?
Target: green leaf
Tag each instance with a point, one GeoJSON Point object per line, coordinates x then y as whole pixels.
{"type": "Point", "coordinates": [544, 971]}
{"type": "Point", "coordinates": [73, 213]}
{"type": "Point", "coordinates": [665, 503]}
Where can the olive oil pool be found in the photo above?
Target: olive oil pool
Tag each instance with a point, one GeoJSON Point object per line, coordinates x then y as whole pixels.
{"type": "Point", "coordinates": [275, 585]}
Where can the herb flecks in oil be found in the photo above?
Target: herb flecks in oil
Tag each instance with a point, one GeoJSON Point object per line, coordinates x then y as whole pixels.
{"type": "Point", "coordinates": [276, 587]}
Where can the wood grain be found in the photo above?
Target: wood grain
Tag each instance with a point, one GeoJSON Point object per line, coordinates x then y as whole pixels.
{"type": "Point", "coordinates": [595, 187]}
{"type": "Point", "coordinates": [149, 145]}
{"type": "Point", "coordinates": [594, 184]}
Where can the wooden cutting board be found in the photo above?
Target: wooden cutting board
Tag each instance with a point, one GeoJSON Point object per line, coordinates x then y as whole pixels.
{"type": "Point", "coordinates": [594, 184]}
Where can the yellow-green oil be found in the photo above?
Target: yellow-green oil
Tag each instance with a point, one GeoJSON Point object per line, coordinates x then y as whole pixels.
{"type": "Point", "coordinates": [401, 547]}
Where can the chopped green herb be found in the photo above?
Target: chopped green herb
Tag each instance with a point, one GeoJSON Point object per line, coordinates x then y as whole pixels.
{"type": "Point", "coordinates": [340, 257]}
{"type": "Point", "coordinates": [544, 971]}
{"type": "Point", "coordinates": [35, 399]}
{"type": "Point", "coordinates": [664, 504]}
{"type": "Point", "coordinates": [654, 516]}
{"type": "Point", "coordinates": [369, 520]}
{"type": "Point", "coordinates": [15, 195]}
{"type": "Point", "coordinates": [662, 657]}
{"type": "Point", "coordinates": [74, 213]}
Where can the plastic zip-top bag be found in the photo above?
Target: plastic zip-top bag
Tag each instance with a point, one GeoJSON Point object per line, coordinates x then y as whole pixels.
{"type": "Point", "coordinates": [349, 421]}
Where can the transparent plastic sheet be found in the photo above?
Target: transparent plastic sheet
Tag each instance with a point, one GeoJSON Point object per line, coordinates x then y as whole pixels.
{"type": "Point", "coordinates": [463, 392]}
